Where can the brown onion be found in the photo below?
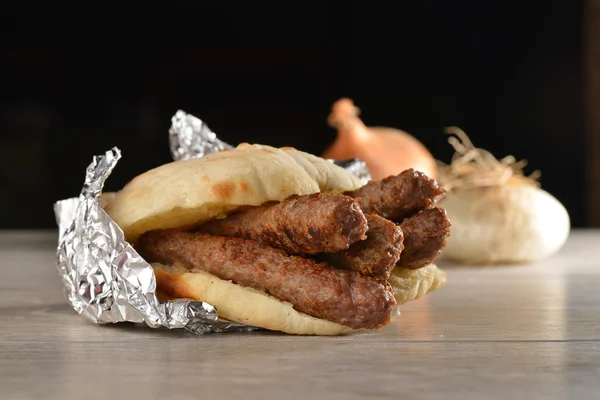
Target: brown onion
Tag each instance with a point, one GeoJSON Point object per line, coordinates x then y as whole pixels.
{"type": "Point", "coordinates": [386, 151]}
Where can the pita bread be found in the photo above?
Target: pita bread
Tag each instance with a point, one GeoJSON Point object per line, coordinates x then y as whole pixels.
{"type": "Point", "coordinates": [411, 284]}
{"type": "Point", "coordinates": [187, 193]}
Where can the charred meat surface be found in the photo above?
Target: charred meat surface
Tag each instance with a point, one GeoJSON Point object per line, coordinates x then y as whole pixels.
{"type": "Point", "coordinates": [377, 255]}
{"type": "Point", "coordinates": [316, 289]}
{"type": "Point", "coordinates": [425, 236]}
{"type": "Point", "coordinates": [307, 224]}
{"type": "Point", "coordinates": [399, 196]}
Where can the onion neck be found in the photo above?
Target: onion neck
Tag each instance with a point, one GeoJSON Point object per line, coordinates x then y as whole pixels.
{"type": "Point", "coordinates": [344, 118]}
{"type": "Point", "coordinates": [353, 130]}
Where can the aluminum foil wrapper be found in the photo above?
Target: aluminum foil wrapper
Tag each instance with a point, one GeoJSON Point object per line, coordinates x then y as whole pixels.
{"type": "Point", "coordinates": [105, 279]}
{"type": "Point", "coordinates": [355, 166]}
{"type": "Point", "coordinates": [190, 137]}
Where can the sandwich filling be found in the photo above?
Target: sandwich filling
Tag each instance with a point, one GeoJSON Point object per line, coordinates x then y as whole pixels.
{"type": "Point", "coordinates": [329, 255]}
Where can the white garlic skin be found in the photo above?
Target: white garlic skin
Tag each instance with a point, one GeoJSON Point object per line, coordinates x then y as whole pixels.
{"type": "Point", "coordinates": [505, 224]}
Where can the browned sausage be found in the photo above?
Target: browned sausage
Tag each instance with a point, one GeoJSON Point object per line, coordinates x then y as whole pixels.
{"type": "Point", "coordinates": [308, 224]}
{"type": "Point", "coordinates": [399, 196]}
{"type": "Point", "coordinates": [425, 237]}
{"type": "Point", "coordinates": [316, 289]}
{"type": "Point", "coordinates": [377, 255]}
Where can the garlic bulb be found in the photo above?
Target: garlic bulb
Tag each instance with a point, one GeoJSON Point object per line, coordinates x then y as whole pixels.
{"type": "Point", "coordinates": [498, 215]}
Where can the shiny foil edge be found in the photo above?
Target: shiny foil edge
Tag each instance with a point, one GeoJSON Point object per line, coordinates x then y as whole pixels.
{"type": "Point", "coordinates": [190, 137]}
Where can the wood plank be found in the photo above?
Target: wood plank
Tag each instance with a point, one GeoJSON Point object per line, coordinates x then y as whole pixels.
{"type": "Point", "coordinates": [526, 331]}
{"type": "Point", "coordinates": [593, 108]}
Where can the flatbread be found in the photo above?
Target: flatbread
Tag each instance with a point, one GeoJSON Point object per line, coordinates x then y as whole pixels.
{"type": "Point", "coordinates": [186, 193]}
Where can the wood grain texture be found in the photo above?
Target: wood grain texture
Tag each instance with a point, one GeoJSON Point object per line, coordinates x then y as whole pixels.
{"type": "Point", "coordinates": [529, 332]}
{"type": "Point", "coordinates": [593, 110]}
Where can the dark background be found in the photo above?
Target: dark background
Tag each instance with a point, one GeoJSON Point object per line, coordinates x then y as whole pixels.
{"type": "Point", "coordinates": [76, 83]}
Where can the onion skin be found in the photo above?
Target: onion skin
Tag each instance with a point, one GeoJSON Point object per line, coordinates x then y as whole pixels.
{"type": "Point", "coordinates": [512, 223]}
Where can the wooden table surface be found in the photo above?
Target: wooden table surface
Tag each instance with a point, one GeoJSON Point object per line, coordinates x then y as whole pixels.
{"type": "Point", "coordinates": [521, 332]}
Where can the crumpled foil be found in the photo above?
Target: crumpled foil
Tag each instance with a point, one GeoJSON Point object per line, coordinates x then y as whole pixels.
{"type": "Point", "coordinates": [356, 167]}
{"type": "Point", "coordinates": [105, 279]}
{"type": "Point", "coordinates": [190, 137]}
